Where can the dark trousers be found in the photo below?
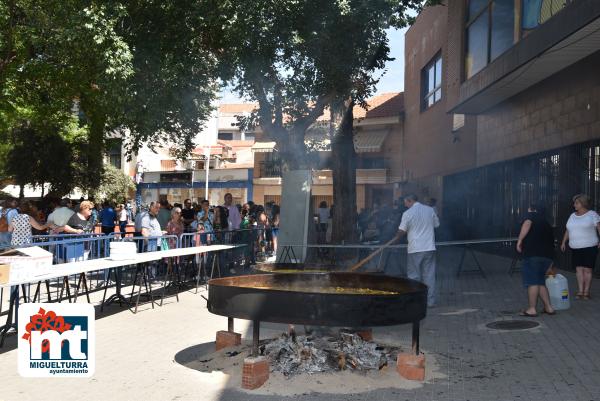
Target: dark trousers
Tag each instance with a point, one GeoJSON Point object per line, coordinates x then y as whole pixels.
{"type": "Point", "coordinates": [123, 228]}
{"type": "Point", "coordinates": [108, 230]}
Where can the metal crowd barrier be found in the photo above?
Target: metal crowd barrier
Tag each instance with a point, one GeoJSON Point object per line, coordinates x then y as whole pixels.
{"type": "Point", "coordinates": [339, 256]}
{"type": "Point", "coordinates": [230, 261]}
{"type": "Point", "coordinates": [78, 247]}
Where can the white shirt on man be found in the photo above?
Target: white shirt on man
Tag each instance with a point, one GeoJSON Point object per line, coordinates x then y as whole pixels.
{"type": "Point", "coordinates": [582, 230]}
{"type": "Point", "coordinates": [419, 223]}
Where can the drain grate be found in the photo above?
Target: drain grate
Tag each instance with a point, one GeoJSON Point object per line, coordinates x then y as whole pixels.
{"type": "Point", "coordinates": [512, 325]}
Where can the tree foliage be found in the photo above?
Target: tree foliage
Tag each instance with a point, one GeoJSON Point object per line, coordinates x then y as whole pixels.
{"type": "Point", "coordinates": [41, 154]}
{"type": "Point", "coordinates": [299, 58]}
{"type": "Point", "coordinates": [133, 66]}
{"type": "Point", "coordinates": [114, 185]}
{"type": "Point", "coordinates": [296, 58]}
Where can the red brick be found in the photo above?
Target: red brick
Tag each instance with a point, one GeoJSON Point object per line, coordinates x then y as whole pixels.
{"type": "Point", "coordinates": [366, 335]}
{"type": "Point", "coordinates": [255, 372]}
{"type": "Point", "coordinates": [227, 339]}
{"type": "Point", "coordinates": [411, 367]}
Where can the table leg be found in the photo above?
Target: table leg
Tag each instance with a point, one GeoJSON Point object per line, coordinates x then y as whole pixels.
{"type": "Point", "coordinates": [13, 306]}
{"type": "Point", "coordinates": [117, 296]}
{"type": "Point", "coordinates": [255, 337]}
{"type": "Point", "coordinates": [48, 291]}
{"type": "Point", "coordinates": [37, 291]}
{"type": "Point", "coordinates": [67, 287]}
{"type": "Point", "coordinates": [82, 279]}
{"type": "Point", "coordinates": [415, 337]}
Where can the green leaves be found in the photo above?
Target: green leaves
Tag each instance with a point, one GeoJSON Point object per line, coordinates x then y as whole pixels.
{"type": "Point", "coordinates": [297, 57]}
{"type": "Point", "coordinates": [137, 67]}
{"type": "Point", "coordinates": [114, 185]}
{"type": "Point", "coordinates": [148, 69]}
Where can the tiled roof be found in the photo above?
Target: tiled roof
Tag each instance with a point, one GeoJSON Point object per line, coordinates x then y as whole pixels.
{"type": "Point", "coordinates": [384, 105]}
{"type": "Point", "coordinates": [237, 107]}
{"type": "Point", "coordinates": [214, 150]}
{"type": "Point", "coordinates": [236, 143]}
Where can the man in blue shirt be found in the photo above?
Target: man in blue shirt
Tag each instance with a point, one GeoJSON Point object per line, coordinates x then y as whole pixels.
{"type": "Point", "coordinates": [107, 218]}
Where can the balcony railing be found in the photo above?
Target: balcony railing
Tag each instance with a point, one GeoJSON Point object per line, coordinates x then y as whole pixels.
{"type": "Point", "coordinates": [270, 169]}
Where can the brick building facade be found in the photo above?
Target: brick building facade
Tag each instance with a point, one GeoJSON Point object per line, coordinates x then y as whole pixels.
{"type": "Point", "coordinates": [530, 96]}
{"type": "Point", "coordinates": [431, 147]}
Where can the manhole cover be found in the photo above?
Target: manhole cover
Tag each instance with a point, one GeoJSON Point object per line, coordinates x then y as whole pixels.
{"type": "Point", "coordinates": [512, 325]}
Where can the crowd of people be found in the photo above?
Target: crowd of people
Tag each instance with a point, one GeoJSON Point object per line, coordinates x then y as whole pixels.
{"type": "Point", "coordinates": [228, 222]}
{"type": "Point", "coordinates": [213, 224]}
{"type": "Point", "coordinates": [19, 222]}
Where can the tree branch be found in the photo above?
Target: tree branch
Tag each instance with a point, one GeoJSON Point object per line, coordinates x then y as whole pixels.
{"type": "Point", "coordinates": [264, 108]}
{"type": "Point", "coordinates": [303, 123]}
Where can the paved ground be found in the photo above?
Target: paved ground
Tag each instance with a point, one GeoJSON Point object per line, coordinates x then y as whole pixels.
{"type": "Point", "coordinates": [137, 354]}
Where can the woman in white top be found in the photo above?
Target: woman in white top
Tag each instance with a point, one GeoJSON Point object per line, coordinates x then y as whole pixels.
{"type": "Point", "coordinates": [582, 232]}
{"type": "Point", "coordinates": [122, 216]}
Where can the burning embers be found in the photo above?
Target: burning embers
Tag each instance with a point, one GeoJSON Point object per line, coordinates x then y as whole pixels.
{"type": "Point", "coordinates": [314, 354]}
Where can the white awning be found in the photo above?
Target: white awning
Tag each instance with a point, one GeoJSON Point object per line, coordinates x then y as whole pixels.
{"type": "Point", "coordinates": [369, 141]}
{"type": "Point", "coordinates": [263, 147]}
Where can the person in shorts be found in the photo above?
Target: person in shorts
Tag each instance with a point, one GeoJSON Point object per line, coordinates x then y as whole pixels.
{"type": "Point", "coordinates": [536, 244]}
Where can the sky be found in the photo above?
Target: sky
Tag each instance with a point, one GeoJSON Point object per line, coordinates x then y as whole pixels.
{"type": "Point", "coordinates": [392, 80]}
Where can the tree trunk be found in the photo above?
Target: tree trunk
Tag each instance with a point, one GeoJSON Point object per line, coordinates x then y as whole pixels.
{"type": "Point", "coordinates": [96, 151]}
{"type": "Point", "coordinates": [292, 150]}
{"type": "Point", "coordinates": [344, 181]}
{"type": "Point", "coordinates": [21, 191]}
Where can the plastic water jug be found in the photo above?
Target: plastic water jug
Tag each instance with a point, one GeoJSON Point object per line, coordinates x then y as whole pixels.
{"type": "Point", "coordinates": [558, 287]}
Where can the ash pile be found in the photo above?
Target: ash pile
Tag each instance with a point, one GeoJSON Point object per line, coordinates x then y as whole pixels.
{"type": "Point", "coordinates": [292, 355]}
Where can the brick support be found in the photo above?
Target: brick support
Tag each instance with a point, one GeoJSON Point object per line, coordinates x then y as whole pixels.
{"type": "Point", "coordinates": [411, 367]}
{"type": "Point", "coordinates": [366, 334]}
{"type": "Point", "coordinates": [227, 339]}
{"type": "Point", "coordinates": [255, 372]}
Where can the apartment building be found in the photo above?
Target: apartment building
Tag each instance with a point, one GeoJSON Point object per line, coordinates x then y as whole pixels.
{"type": "Point", "coordinates": [377, 142]}
{"type": "Point", "coordinates": [502, 104]}
{"type": "Point", "coordinates": [223, 158]}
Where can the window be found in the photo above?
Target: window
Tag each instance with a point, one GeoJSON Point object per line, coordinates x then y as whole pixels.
{"type": "Point", "coordinates": [226, 136]}
{"type": "Point", "coordinates": [432, 82]}
{"type": "Point", "coordinates": [458, 121]}
{"type": "Point", "coordinates": [536, 12]}
{"type": "Point", "coordinates": [490, 32]}
{"type": "Point", "coordinates": [113, 151]}
{"type": "Point", "coordinates": [176, 177]}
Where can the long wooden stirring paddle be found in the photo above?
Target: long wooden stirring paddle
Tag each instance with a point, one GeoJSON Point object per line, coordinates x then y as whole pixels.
{"type": "Point", "coordinates": [372, 255]}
